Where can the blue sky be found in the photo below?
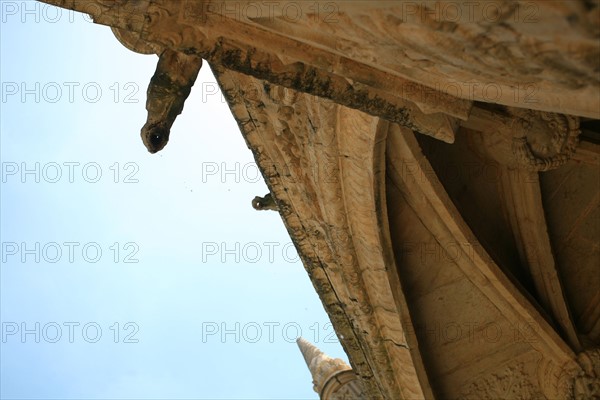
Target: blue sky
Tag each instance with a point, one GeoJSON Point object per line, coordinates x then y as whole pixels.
{"type": "Point", "coordinates": [161, 279]}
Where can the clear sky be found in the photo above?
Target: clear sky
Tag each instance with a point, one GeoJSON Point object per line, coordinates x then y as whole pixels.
{"type": "Point", "coordinates": [126, 274]}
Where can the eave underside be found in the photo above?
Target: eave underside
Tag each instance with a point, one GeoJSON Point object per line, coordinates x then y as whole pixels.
{"type": "Point", "coordinates": [423, 277]}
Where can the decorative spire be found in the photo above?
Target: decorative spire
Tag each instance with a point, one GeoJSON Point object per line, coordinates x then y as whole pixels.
{"type": "Point", "coordinates": [321, 366]}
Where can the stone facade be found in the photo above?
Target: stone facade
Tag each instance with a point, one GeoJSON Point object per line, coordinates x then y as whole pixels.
{"type": "Point", "coordinates": [436, 163]}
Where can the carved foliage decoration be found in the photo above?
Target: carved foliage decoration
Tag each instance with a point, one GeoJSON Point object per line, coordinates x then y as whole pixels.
{"type": "Point", "coordinates": [512, 382]}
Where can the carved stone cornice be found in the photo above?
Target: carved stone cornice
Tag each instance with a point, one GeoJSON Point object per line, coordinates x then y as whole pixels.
{"type": "Point", "coordinates": [420, 65]}
{"type": "Point", "coordinates": [507, 56]}
{"type": "Point", "coordinates": [185, 27]}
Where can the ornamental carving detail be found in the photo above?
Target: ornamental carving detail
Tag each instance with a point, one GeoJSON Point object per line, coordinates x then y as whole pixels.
{"type": "Point", "coordinates": [587, 382]}
{"type": "Point", "coordinates": [132, 41]}
{"type": "Point", "coordinates": [542, 140]}
{"type": "Point", "coordinates": [510, 383]}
